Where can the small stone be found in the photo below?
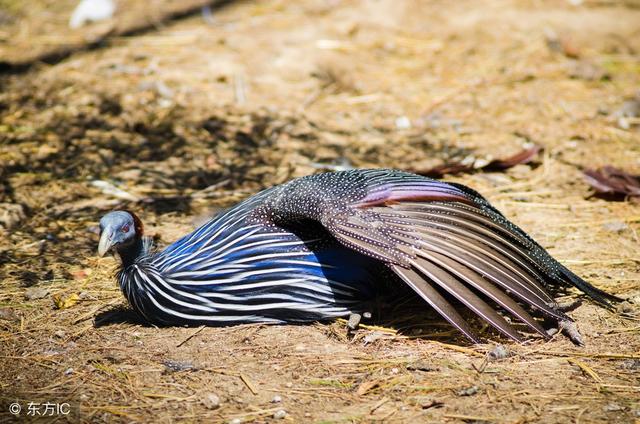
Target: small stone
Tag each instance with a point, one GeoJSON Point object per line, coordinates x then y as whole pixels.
{"type": "Point", "coordinates": [8, 314]}
{"type": "Point", "coordinates": [630, 364]}
{"type": "Point", "coordinates": [613, 407]}
{"type": "Point", "coordinates": [33, 293]}
{"type": "Point", "coordinates": [83, 397]}
{"type": "Point", "coordinates": [630, 108]}
{"type": "Point", "coordinates": [470, 391]}
{"type": "Point", "coordinates": [68, 371]}
{"type": "Point", "coordinates": [179, 366]}
{"type": "Point", "coordinates": [395, 370]}
{"type": "Point", "coordinates": [88, 11]}
{"type": "Point", "coordinates": [235, 421]}
{"type": "Point", "coordinates": [615, 226]}
{"type": "Point", "coordinates": [588, 71]}
{"type": "Point", "coordinates": [552, 331]}
{"type": "Point", "coordinates": [11, 214]}
{"type": "Point", "coordinates": [276, 399]}
{"type": "Point", "coordinates": [279, 414]}
{"type": "Point", "coordinates": [59, 334]}
{"type": "Point", "coordinates": [403, 123]}
{"type": "Point", "coordinates": [289, 385]}
{"type": "Point", "coordinates": [354, 321]}
{"type": "Point", "coordinates": [372, 337]}
{"type": "Point", "coordinates": [211, 401]}
{"type": "Point", "coordinates": [625, 307]}
{"type": "Point", "coordinates": [130, 175]}
{"type": "Point", "coordinates": [498, 352]}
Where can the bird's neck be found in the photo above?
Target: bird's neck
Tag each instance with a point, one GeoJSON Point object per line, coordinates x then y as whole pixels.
{"type": "Point", "coordinates": [131, 252]}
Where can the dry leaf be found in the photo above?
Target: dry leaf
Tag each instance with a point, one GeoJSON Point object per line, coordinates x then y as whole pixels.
{"type": "Point", "coordinates": [66, 302]}
{"type": "Point", "coordinates": [366, 386]}
{"type": "Point", "coordinates": [613, 182]}
{"type": "Point", "coordinates": [468, 166]}
{"type": "Point", "coordinates": [81, 274]}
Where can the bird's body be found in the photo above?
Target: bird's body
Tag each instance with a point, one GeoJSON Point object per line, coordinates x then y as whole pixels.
{"type": "Point", "coordinates": [323, 246]}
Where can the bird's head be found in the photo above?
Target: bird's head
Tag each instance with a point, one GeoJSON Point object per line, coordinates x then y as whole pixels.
{"type": "Point", "coordinates": [119, 230]}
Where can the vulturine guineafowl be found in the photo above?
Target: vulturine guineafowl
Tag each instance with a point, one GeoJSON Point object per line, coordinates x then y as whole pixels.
{"type": "Point", "coordinates": [323, 246]}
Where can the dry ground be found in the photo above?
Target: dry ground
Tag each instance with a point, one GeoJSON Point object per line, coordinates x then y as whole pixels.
{"type": "Point", "coordinates": [198, 114]}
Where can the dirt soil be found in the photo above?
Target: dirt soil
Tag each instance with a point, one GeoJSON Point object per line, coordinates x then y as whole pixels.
{"type": "Point", "coordinates": [180, 120]}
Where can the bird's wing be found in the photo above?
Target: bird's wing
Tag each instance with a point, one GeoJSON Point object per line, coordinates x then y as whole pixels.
{"type": "Point", "coordinates": [437, 237]}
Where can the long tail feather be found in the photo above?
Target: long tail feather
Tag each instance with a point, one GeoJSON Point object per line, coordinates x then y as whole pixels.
{"type": "Point", "coordinates": [437, 302]}
{"type": "Point", "coordinates": [464, 295]}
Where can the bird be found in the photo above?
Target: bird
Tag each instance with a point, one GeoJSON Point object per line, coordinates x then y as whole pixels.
{"type": "Point", "coordinates": [323, 246]}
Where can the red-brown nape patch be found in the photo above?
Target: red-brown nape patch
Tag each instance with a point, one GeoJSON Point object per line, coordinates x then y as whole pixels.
{"type": "Point", "coordinates": [136, 222]}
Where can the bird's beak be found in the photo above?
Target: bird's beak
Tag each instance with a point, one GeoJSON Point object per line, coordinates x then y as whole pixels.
{"type": "Point", "coordinates": [106, 242]}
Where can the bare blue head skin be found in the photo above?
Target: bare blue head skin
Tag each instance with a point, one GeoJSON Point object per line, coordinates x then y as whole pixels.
{"type": "Point", "coordinates": [121, 231]}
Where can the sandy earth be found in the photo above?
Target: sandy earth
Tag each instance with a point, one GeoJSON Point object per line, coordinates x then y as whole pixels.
{"type": "Point", "coordinates": [193, 115]}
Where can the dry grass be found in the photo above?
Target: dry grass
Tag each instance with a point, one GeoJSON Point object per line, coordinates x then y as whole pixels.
{"type": "Point", "coordinates": [195, 117]}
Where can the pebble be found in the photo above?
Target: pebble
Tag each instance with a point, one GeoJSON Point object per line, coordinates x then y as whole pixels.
{"type": "Point", "coordinates": [33, 293]}
{"type": "Point", "coordinates": [612, 407]}
{"type": "Point", "coordinates": [615, 226]}
{"type": "Point", "coordinates": [403, 123]}
{"type": "Point", "coordinates": [630, 364]}
{"type": "Point", "coordinates": [179, 366]}
{"type": "Point", "coordinates": [211, 401]}
{"type": "Point", "coordinates": [68, 371]}
{"type": "Point", "coordinates": [91, 11]}
{"type": "Point", "coordinates": [470, 391]}
{"type": "Point", "coordinates": [11, 214]}
{"type": "Point", "coordinates": [8, 314]}
{"type": "Point", "coordinates": [276, 399]}
{"type": "Point", "coordinates": [498, 352]}
{"type": "Point", "coordinates": [235, 421]}
{"type": "Point", "coordinates": [354, 321]}
{"type": "Point", "coordinates": [372, 337]}
{"type": "Point", "coordinates": [625, 307]}
{"type": "Point", "coordinates": [279, 414]}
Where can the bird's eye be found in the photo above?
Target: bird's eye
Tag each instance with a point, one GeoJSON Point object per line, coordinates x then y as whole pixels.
{"type": "Point", "coordinates": [125, 229]}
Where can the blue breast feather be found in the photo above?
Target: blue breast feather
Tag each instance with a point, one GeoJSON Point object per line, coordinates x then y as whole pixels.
{"type": "Point", "coordinates": [232, 270]}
